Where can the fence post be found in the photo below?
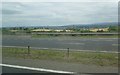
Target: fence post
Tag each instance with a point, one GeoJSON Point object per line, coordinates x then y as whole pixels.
{"type": "Point", "coordinates": [68, 52]}
{"type": "Point", "coordinates": [28, 50]}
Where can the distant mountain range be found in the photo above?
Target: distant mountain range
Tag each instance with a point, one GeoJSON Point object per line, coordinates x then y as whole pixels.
{"type": "Point", "coordinates": [96, 25]}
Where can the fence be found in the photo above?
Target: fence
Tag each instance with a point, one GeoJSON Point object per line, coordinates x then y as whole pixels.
{"type": "Point", "coordinates": [58, 49]}
{"type": "Point", "coordinates": [67, 54]}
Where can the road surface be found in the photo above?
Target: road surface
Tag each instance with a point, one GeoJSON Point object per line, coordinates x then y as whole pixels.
{"type": "Point", "coordinates": [20, 71]}
{"type": "Point", "coordinates": [96, 44]}
{"type": "Point", "coordinates": [16, 71]}
{"type": "Point", "coordinates": [60, 66]}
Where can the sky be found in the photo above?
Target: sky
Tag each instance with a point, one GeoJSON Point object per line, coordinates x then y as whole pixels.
{"type": "Point", "coordinates": [57, 13]}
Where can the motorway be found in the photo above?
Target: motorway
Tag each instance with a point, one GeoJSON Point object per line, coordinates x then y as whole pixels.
{"type": "Point", "coordinates": [16, 71]}
{"type": "Point", "coordinates": [95, 44]}
{"type": "Point", "coordinates": [20, 71]}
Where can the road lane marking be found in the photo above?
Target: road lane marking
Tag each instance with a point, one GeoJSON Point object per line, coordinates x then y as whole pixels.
{"type": "Point", "coordinates": [109, 40]}
{"type": "Point", "coordinates": [75, 43]}
{"type": "Point", "coordinates": [36, 69]}
{"type": "Point", "coordinates": [115, 44]}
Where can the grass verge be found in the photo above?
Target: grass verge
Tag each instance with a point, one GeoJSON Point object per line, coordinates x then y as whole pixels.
{"type": "Point", "coordinates": [96, 58]}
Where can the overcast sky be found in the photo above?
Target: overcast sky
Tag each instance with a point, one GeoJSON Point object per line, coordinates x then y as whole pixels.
{"type": "Point", "coordinates": [58, 13]}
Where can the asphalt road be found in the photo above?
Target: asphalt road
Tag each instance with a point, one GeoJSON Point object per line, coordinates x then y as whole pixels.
{"type": "Point", "coordinates": [20, 71]}
{"type": "Point", "coordinates": [60, 66]}
{"type": "Point", "coordinates": [97, 44]}
{"type": "Point", "coordinates": [16, 71]}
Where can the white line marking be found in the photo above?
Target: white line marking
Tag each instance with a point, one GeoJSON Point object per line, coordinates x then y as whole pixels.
{"type": "Point", "coordinates": [115, 44]}
{"type": "Point", "coordinates": [75, 43]}
{"type": "Point", "coordinates": [108, 40]}
{"type": "Point", "coordinates": [36, 69]}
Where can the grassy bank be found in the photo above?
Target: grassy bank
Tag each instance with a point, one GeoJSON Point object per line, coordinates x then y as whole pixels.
{"type": "Point", "coordinates": [96, 58]}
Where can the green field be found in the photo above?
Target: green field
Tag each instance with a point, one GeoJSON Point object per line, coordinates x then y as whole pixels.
{"type": "Point", "coordinates": [96, 58]}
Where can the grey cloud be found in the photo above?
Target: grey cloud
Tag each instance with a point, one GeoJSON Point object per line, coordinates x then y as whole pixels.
{"type": "Point", "coordinates": [10, 12]}
{"type": "Point", "coordinates": [60, 13]}
{"type": "Point", "coordinates": [10, 8]}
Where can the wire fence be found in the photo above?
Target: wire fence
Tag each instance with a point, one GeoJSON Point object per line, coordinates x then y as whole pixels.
{"type": "Point", "coordinates": [69, 55]}
{"type": "Point", "coordinates": [59, 49]}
